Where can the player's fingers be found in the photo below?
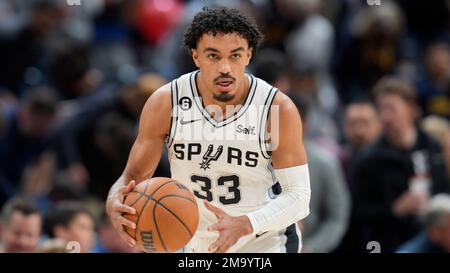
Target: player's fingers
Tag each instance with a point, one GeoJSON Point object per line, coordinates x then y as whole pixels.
{"type": "Point", "coordinates": [130, 186]}
{"type": "Point", "coordinates": [121, 231]}
{"type": "Point", "coordinates": [222, 249]}
{"type": "Point", "coordinates": [219, 242]}
{"type": "Point", "coordinates": [127, 238]}
{"type": "Point", "coordinates": [213, 247]}
{"type": "Point", "coordinates": [125, 222]}
{"type": "Point", "coordinates": [119, 207]}
{"type": "Point", "coordinates": [122, 190]}
{"type": "Point", "coordinates": [218, 212]}
{"type": "Point", "coordinates": [215, 227]}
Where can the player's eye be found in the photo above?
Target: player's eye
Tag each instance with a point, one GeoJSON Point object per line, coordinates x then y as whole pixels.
{"type": "Point", "coordinates": [235, 56]}
{"type": "Point", "coordinates": [213, 56]}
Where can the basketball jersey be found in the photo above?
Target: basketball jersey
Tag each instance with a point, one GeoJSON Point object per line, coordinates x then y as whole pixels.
{"type": "Point", "coordinates": [225, 162]}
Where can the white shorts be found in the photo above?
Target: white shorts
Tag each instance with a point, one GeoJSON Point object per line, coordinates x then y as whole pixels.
{"type": "Point", "coordinates": [287, 240]}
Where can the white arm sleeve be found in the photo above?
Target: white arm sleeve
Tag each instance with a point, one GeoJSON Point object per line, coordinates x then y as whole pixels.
{"type": "Point", "coordinates": [290, 206]}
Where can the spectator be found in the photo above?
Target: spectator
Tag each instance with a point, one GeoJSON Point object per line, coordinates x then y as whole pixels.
{"type": "Point", "coordinates": [109, 241]}
{"type": "Point", "coordinates": [28, 136]}
{"type": "Point", "coordinates": [106, 152]}
{"type": "Point", "coordinates": [434, 88]}
{"type": "Point", "coordinates": [361, 127]}
{"type": "Point", "coordinates": [83, 130]}
{"type": "Point", "coordinates": [436, 236]}
{"type": "Point", "coordinates": [394, 178]}
{"type": "Point", "coordinates": [439, 128]}
{"type": "Point", "coordinates": [321, 117]}
{"type": "Point", "coordinates": [71, 221]}
{"type": "Point", "coordinates": [374, 49]}
{"type": "Point", "coordinates": [72, 73]}
{"type": "Point", "coordinates": [327, 222]}
{"type": "Point", "coordinates": [20, 227]}
{"type": "Point", "coordinates": [22, 53]}
{"type": "Point", "coordinates": [271, 66]}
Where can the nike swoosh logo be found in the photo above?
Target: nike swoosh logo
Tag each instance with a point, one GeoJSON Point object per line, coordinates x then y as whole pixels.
{"type": "Point", "coordinates": [261, 234]}
{"type": "Point", "coordinates": [184, 122]}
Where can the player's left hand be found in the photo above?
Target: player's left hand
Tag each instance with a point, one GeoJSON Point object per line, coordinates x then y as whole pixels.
{"type": "Point", "coordinates": [230, 229]}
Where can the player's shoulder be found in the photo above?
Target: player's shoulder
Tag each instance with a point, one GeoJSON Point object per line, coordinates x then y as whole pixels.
{"type": "Point", "coordinates": [162, 94]}
{"type": "Point", "coordinates": [284, 103]}
{"type": "Point", "coordinates": [160, 101]}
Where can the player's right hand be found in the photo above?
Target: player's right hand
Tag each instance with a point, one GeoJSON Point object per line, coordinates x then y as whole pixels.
{"type": "Point", "coordinates": [115, 208]}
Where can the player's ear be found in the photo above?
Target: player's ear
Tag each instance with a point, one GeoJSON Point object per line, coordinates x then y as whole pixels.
{"type": "Point", "coordinates": [249, 55]}
{"type": "Point", "coordinates": [195, 57]}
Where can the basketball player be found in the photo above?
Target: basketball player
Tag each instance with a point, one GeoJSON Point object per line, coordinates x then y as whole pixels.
{"type": "Point", "coordinates": [233, 169]}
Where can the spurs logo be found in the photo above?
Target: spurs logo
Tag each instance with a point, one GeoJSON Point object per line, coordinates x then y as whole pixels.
{"type": "Point", "coordinates": [208, 157]}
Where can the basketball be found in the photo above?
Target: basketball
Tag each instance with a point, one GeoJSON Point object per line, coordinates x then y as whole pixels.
{"type": "Point", "coordinates": [166, 215]}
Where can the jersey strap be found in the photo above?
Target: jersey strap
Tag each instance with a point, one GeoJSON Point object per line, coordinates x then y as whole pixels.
{"type": "Point", "coordinates": [263, 135]}
{"type": "Point", "coordinates": [174, 117]}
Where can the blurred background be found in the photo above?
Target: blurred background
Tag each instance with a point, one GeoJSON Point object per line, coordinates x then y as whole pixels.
{"type": "Point", "coordinates": [371, 80]}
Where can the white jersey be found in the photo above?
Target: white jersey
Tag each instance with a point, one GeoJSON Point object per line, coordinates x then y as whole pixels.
{"type": "Point", "coordinates": [225, 162]}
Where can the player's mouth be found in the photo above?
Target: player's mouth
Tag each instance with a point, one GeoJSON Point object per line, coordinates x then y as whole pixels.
{"type": "Point", "coordinates": [224, 84]}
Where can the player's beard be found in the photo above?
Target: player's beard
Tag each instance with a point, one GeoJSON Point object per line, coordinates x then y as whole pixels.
{"type": "Point", "coordinates": [224, 97]}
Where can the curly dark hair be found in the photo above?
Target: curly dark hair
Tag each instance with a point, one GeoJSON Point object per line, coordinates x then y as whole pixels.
{"type": "Point", "coordinates": [222, 20]}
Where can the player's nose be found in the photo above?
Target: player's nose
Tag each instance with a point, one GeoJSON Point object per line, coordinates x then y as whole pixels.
{"type": "Point", "coordinates": [224, 66]}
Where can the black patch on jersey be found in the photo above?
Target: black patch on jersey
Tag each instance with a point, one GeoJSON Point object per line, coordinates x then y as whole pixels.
{"type": "Point", "coordinates": [275, 190]}
{"type": "Point", "coordinates": [208, 156]}
{"type": "Point", "coordinates": [185, 103]}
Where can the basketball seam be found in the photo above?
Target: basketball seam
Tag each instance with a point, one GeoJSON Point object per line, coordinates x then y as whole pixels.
{"type": "Point", "coordinates": [160, 186]}
{"type": "Point", "coordinates": [132, 204]}
{"type": "Point", "coordinates": [176, 216]}
{"type": "Point", "coordinates": [137, 220]}
{"type": "Point", "coordinates": [150, 197]}
{"type": "Point", "coordinates": [146, 202]}
{"type": "Point", "coordinates": [156, 225]}
{"type": "Point", "coordinates": [139, 217]}
{"type": "Point", "coordinates": [172, 195]}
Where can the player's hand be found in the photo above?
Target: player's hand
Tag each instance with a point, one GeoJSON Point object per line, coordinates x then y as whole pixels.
{"type": "Point", "coordinates": [115, 209]}
{"type": "Point", "coordinates": [230, 229]}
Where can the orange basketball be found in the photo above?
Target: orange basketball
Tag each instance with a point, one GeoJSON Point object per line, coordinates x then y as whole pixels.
{"type": "Point", "coordinates": [166, 215]}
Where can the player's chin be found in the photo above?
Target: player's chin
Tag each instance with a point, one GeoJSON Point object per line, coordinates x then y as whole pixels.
{"type": "Point", "coordinates": [224, 96]}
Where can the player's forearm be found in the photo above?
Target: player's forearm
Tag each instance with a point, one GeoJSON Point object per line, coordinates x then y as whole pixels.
{"type": "Point", "coordinates": [291, 206]}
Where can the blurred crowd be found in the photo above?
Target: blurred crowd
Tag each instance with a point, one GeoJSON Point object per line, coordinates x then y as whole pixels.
{"type": "Point", "coordinates": [372, 84]}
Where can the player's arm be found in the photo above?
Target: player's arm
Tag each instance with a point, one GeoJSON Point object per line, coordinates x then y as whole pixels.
{"type": "Point", "coordinates": [290, 163]}
{"type": "Point", "coordinates": [143, 158]}
{"type": "Point", "coordinates": [291, 170]}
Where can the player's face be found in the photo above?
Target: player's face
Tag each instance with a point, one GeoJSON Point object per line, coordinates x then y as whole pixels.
{"type": "Point", "coordinates": [22, 233]}
{"type": "Point", "coordinates": [222, 59]}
